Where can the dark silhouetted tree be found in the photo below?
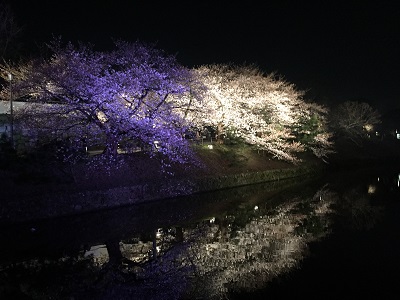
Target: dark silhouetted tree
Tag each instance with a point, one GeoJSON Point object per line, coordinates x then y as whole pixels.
{"type": "Point", "coordinates": [9, 31]}
{"type": "Point", "coordinates": [354, 120]}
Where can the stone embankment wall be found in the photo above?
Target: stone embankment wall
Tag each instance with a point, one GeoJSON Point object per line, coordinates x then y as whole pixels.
{"type": "Point", "coordinates": [54, 205]}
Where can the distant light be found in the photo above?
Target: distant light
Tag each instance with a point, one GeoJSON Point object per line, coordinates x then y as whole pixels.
{"type": "Point", "coordinates": [210, 147]}
{"type": "Point", "coordinates": [398, 180]}
{"type": "Point", "coordinates": [212, 220]}
{"type": "Point", "coordinates": [371, 189]}
{"type": "Point", "coordinates": [256, 207]}
{"type": "Point", "coordinates": [368, 127]}
{"type": "Point", "coordinates": [10, 77]}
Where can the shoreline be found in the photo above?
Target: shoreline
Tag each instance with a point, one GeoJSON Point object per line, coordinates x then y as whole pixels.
{"type": "Point", "coordinates": [53, 205]}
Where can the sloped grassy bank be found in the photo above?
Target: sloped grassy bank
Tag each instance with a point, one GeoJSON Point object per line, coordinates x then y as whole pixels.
{"type": "Point", "coordinates": [225, 168]}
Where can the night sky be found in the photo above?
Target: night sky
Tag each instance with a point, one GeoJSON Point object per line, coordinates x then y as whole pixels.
{"type": "Point", "coordinates": [336, 52]}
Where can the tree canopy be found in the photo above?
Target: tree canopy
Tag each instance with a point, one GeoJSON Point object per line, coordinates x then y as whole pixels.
{"type": "Point", "coordinates": [88, 97]}
{"type": "Point", "coordinates": [354, 120]}
{"type": "Point", "coordinates": [264, 110]}
{"type": "Point", "coordinates": [136, 94]}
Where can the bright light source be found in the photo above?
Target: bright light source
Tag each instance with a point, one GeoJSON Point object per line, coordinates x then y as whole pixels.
{"type": "Point", "coordinates": [210, 147]}
{"type": "Point", "coordinates": [371, 189]}
{"type": "Point", "coordinates": [102, 117]}
{"type": "Point", "coordinates": [398, 180]}
{"type": "Point", "coordinates": [368, 127]}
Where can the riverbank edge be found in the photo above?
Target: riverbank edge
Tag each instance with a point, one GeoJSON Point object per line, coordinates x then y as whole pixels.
{"type": "Point", "coordinates": [66, 204]}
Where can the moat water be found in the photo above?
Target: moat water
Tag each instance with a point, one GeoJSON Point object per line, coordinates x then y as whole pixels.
{"type": "Point", "coordinates": [335, 237]}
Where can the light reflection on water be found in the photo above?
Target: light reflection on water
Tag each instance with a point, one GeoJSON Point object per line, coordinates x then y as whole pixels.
{"type": "Point", "coordinates": [235, 241]}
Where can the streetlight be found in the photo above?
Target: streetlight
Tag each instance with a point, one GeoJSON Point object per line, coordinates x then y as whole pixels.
{"type": "Point", "coordinates": [10, 78]}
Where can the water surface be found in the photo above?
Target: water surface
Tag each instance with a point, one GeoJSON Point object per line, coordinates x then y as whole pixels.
{"type": "Point", "coordinates": [335, 235]}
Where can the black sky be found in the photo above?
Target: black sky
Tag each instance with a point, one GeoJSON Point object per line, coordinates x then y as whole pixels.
{"type": "Point", "coordinates": [338, 51]}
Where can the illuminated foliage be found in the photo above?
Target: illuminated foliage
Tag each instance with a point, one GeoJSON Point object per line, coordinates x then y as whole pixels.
{"type": "Point", "coordinates": [86, 98]}
{"type": "Point", "coordinates": [263, 110]}
{"type": "Point", "coordinates": [137, 97]}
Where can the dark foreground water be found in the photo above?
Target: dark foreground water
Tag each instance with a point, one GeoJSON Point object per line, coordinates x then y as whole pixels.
{"type": "Point", "coordinates": [328, 238]}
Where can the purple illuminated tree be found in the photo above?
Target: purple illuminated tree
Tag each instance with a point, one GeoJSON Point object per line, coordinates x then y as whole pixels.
{"type": "Point", "coordinates": [84, 97]}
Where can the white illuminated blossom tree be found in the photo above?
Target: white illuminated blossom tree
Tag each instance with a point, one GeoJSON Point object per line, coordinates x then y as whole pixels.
{"type": "Point", "coordinates": [86, 97]}
{"type": "Point", "coordinates": [264, 110]}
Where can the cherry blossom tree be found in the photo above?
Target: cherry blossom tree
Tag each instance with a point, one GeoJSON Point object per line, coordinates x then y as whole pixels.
{"type": "Point", "coordinates": [80, 97]}
{"type": "Point", "coordinates": [264, 110]}
{"type": "Point", "coordinates": [312, 130]}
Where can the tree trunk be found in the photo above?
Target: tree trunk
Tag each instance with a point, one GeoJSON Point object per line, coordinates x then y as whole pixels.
{"type": "Point", "coordinates": [111, 149]}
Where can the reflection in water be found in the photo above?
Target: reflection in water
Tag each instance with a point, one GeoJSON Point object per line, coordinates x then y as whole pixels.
{"type": "Point", "coordinates": [361, 205]}
{"type": "Point", "coordinates": [241, 249]}
{"type": "Point", "coordinates": [230, 254]}
{"type": "Point", "coordinates": [357, 210]}
{"type": "Point", "coordinates": [99, 254]}
{"type": "Point", "coordinates": [234, 250]}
